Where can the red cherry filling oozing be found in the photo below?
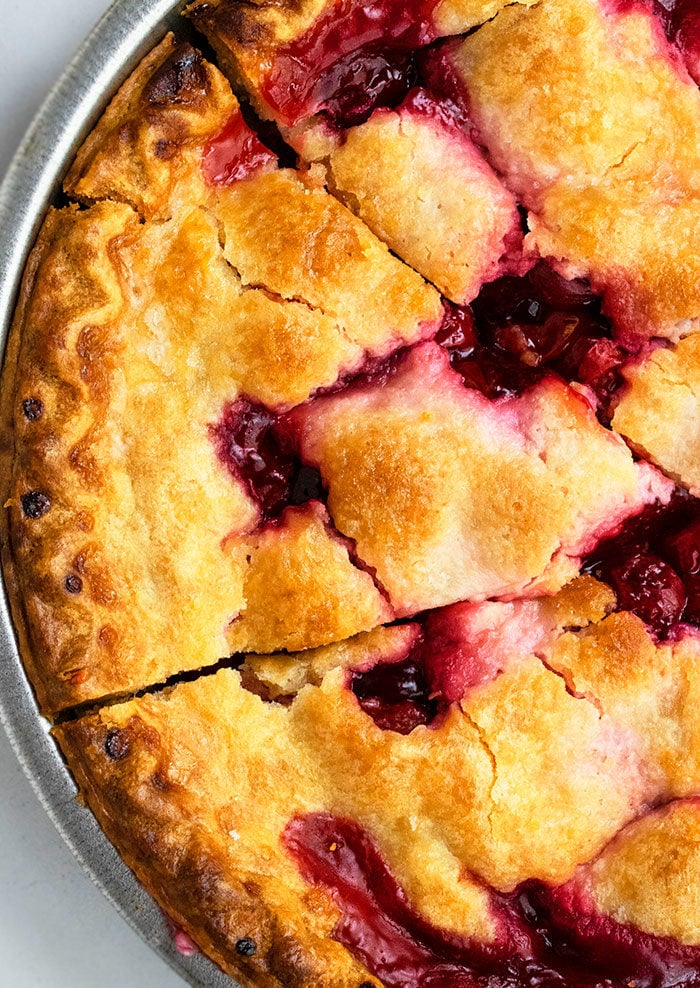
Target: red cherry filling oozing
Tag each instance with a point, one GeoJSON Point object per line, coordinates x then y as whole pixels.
{"type": "Point", "coordinates": [396, 695]}
{"type": "Point", "coordinates": [377, 923]}
{"type": "Point", "coordinates": [653, 564]}
{"type": "Point", "coordinates": [354, 58]}
{"type": "Point", "coordinates": [247, 441]}
{"type": "Point", "coordinates": [235, 153]}
{"type": "Point", "coordinates": [520, 328]}
{"type": "Point", "coordinates": [539, 943]}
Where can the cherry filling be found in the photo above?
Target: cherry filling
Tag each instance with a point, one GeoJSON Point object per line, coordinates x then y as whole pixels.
{"type": "Point", "coordinates": [520, 328]}
{"type": "Point", "coordinates": [681, 24]}
{"type": "Point", "coordinates": [653, 563]}
{"type": "Point", "coordinates": [255, 452]}
{"type": "Point", "coordinates": [540, 942]}
{"type": "Point", "coordinates": [377, 924]}
{"type": "Point", "coordinates": [355, 57]}
{"type": "Point", "coordinates": [568, 918]}
{"type": "Point", "coordinates": [234, 154]}
{"type": "Point", "coordinates": [396, 695]}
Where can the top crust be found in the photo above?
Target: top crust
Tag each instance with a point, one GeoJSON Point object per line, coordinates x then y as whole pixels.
{"type": "Point", "coordinates": [194, 775]}
{"type": "Point", "coordinates": [451, 497]}
{"type": "Point", "coordinates": [660, 410]}
{"type": "Point", "coordinates": [135, 335]}
{"type": "Point", "coordinates": [206, 324]}
{"type": "Point", "coordinates": [607, 159]}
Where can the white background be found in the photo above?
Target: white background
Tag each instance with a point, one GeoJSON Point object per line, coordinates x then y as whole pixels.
{"type": "Point", "coordinates": [56, 929]}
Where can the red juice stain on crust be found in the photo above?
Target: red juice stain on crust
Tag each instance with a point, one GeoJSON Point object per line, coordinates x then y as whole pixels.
{"type": "Point", "coordinates": [540, 940]}
{"type": "Point", "coordinates": [182, 942]}
{"type": "Point", "coordinates": [445, 112]}
{"type": "Point", "coordinates": [353, 58]}
{"type": "Point", "coordinates": [437, 71]}
{"type": "Point", "coordinates": [679, 20]}
{"type": "Point", "coordinates": [235, 153]}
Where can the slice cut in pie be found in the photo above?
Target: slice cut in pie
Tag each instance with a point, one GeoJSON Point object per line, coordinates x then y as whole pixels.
{"type": "Point", "coordinates": [352, 485]}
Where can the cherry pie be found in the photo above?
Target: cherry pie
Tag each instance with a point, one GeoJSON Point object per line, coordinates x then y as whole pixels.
{"type": "Point", "coordinates": [351, 428]}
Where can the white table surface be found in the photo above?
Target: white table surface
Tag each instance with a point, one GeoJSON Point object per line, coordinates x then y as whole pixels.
{"type": "Point", "coordinates": [56, 928]}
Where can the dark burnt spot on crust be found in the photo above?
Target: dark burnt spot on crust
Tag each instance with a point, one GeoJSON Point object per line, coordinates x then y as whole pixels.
{"type": "Point", "coordinates": [181, 79]}
{"type": "Point", "coordinates": [246, 947]}
{"type": "Point", "coordinates": [73, 584]}
{"type": "Point", "coordinates": [165, 150]}
{"type": "Point", "coordinates": [233, 22]}
{"type": "Point", "coordinates": [33, 409]}
{"type": "Point", "coordinates": [117, 744]}
{"type": "Point", "coordinates": [108, 637]}
{"type": "Point", "coordinates": [161, 781]}
{"type": "Point", "coordinates": [367, 984]}
{"type": "Point", "coordinates": [35, 504]}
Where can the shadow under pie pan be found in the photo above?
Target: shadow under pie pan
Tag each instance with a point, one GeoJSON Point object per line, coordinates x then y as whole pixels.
{"type": "Point", "coordinates": [124, 35]}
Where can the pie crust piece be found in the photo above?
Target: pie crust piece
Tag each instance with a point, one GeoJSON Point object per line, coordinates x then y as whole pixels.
{"type": "Point", "coordinates": [137, 333]}
{"type": "Point", "coordinates": [189, 784]}
{"type": "Point", "coordinates": [659, 410]}
{"type": "Point", "coordinates": [450, 496]}
{"type": "Point", "coordinates": [425, 189]}
{"type": "Point", "coordinates": [622, 210]}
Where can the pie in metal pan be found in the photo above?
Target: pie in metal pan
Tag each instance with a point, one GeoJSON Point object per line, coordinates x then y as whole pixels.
{"type": "Point", "coordinates": [350, 421]}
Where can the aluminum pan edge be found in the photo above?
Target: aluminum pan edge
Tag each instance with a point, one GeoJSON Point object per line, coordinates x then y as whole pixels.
{"type": "Point", "coordinates": [121, 38]}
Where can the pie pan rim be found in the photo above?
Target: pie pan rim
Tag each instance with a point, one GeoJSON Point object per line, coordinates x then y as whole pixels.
{"type": "Point", "coordinates": [126, 32]}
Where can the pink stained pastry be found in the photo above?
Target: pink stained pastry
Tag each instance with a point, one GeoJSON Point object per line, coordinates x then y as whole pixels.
{"type": "Point", "coordinates": [449, 496]}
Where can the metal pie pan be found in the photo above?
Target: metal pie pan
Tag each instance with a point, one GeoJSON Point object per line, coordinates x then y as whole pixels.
{"type": "Point", "coordinates": [125, 34]}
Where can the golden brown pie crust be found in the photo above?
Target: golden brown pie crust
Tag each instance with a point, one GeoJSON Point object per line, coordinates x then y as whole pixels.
{"type": "Point", "coordinates": [138, 560]}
